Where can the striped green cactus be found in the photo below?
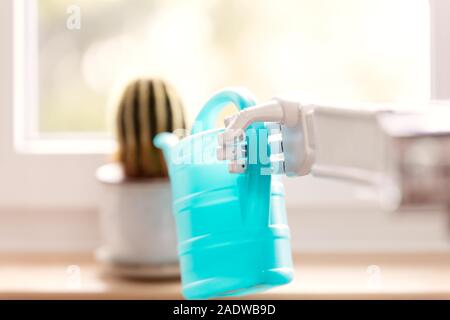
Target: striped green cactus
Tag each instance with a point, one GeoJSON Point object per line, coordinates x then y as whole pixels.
{"type": "Point", "coordinates": [147, 107]}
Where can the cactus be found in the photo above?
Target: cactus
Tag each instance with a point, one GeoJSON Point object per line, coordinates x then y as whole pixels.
{"type": "Point", "coordinates": [146, 108]}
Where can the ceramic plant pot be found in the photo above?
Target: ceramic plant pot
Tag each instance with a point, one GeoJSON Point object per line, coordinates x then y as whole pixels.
{"type": "Point", "coordinates": [137, 228]}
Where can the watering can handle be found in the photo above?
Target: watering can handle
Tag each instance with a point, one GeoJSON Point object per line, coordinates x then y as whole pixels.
{"type": "Point", "coordinates": [207, 118]}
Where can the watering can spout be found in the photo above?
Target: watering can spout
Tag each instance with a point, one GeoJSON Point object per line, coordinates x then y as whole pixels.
{"type": "Point", "coordinates": [165, 141]}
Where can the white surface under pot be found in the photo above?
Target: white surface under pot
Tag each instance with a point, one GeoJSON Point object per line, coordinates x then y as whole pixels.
{"type": "Point", "coordinates": [137, 226]}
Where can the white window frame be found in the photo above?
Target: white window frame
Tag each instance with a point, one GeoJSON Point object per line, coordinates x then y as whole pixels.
{"type": "Point", "coordinates": [32, 175]}
{"type": "Point", "coordinates": [27, 138]}
{"type": "Point", "coordinates": [53, 151]}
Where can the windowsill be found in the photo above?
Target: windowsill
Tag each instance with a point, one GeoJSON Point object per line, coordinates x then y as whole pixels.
{"type": "Point", "coordinates": [424, 276]}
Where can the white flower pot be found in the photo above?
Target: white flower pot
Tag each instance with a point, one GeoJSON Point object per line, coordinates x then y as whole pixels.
{"type": "Point", "coordinates": [137, 226]}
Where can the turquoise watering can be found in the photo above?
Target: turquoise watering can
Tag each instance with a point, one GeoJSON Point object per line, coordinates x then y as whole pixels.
{"type": "Point", "coordinates": [233, 237]}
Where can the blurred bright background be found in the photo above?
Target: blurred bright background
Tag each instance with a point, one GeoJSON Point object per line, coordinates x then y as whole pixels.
{"type": "Point", "coordinates": [56, 93]}
{"type": "Point", "coordinates": [375, 50]}
{"type": "Point", "coordinates": [359, 50]}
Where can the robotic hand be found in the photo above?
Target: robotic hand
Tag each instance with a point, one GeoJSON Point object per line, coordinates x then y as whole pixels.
{"type": "Point", "coordinates": [402, 150]}
{"type": "Point", "coordinates": [291, 140]}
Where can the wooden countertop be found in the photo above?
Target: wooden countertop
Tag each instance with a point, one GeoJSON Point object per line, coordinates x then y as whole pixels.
{"type": "Point", "coordinates": [324, 276]}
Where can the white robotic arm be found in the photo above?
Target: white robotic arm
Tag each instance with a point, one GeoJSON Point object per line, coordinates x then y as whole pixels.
{"type": "Point", "coordinates": [397, 148]}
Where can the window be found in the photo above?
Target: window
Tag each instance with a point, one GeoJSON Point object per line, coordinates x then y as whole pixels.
{"type": "Point", "coordinates": [346, 50]}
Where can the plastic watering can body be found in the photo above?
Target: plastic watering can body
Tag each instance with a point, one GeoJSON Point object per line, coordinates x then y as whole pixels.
{"type": "Point", "coordinates": [232, 231]}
